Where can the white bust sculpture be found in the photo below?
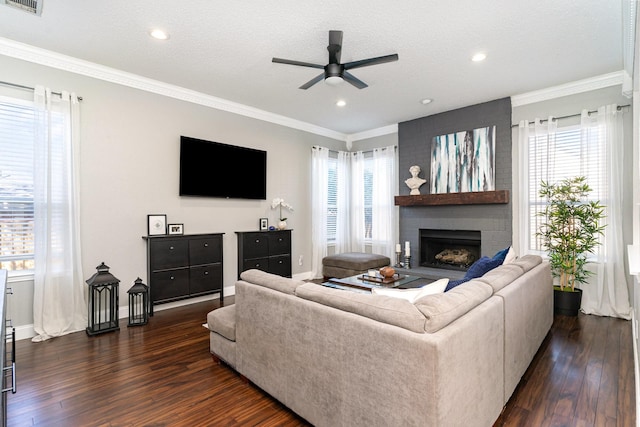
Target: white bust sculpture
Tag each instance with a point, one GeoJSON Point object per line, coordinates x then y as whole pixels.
{"type": "Point", "coordinates": [414, 182]}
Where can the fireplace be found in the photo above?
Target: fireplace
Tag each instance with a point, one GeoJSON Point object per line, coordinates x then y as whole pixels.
{"type": "Point", "coordinates": [449, 249]}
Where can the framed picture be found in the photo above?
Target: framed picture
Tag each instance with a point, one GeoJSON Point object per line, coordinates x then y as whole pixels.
{"type": "Point", "coordinates": [156, 225]}
{"type": "Point", "coordinates": [264, 224]}
{"type": "Point", "coordinates": [176, 229]}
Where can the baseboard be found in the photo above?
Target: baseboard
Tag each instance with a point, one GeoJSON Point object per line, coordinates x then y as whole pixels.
{"type": "Point", "coordinates": [24, 332]}
{"type": "Point", "coordinates": [27, 332]}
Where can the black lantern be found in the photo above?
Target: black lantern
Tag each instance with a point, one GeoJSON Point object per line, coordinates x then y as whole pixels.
{"type": "Point", "coordinates": [103, 301]}
{"type": "Point", "coordinates": [138, 303]}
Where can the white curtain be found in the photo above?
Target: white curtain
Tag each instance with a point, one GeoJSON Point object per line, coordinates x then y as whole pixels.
{"type": "Point", "coordinates": [59, 301]}
{"type": "Point", "coordinates": [597, 154]}
{"type": "Point", "coordinates": [319, 196]}
{"type": "Point", "coordinates": [343, 202]}
{"type": "Point", "coordinates": [607, 293]}
{"type": "Point", "coordinates": [532, 137]}
{"type": "Point", "coordinates": [384, 232]}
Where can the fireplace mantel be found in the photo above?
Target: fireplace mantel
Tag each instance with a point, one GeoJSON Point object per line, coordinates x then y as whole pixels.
{"type": "Point", "coordinates": [471, 198]}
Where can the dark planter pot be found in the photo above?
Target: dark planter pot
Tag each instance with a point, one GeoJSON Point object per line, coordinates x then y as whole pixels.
{"type": "Point", "coordinates": [567, 303]}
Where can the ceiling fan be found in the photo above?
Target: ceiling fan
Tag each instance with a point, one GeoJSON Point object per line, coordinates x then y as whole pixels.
{"type": "Point", "coordinates": [334, 71]}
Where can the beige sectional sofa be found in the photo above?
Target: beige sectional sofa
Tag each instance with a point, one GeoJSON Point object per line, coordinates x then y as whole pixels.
{"type": "Point", "coordinates": [341, 358]}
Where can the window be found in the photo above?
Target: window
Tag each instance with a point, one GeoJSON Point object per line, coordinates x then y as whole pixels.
{"type": "Point", "coordinates": [367, 192]}
{"type": "Point", "coordinates": [366, 181]}
{"type": "Point", "coordinates": [332, 198]}
{"type": "Point", "coordinates": [554, 156]}
{"type": "Point", "coordinates": [17, 120]}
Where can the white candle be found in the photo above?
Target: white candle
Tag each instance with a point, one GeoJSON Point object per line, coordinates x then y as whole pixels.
{"type": "Point", "coordinates": [407, 249]}
{"type": "Point", "coordinates": [398, 250]}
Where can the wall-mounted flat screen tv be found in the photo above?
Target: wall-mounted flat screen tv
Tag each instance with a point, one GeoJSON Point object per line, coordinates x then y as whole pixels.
{"type": "Point", "coordinates": [213, 169]}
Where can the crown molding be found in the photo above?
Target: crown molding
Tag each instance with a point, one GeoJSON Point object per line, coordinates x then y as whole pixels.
{"type": "Point", "coordinates": [385, 130]}
{"type": "Point", "coordinates": [51, 59]}
{"type": "Point", "coordinates": [572, 88]}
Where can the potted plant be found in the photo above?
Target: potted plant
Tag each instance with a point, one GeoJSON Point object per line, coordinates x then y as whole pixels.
{"type": "Point", "coordinates": [570, 233]}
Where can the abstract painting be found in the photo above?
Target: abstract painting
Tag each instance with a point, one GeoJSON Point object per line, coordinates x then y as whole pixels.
{"type": "Point", "coordinates": [464, 161]}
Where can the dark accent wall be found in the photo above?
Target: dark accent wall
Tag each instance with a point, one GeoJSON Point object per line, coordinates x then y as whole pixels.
{"type": "Point", "coordinates": [414, 144]}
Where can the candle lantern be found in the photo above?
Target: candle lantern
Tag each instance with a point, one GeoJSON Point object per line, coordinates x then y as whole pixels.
{"type": "Point", "coordinates": [103, 301]}
{"type": "Point", "coordinates": [138, 303]}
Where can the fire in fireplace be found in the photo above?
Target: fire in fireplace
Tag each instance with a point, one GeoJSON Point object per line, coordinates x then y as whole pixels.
{"type": "Point", "coordinates": [450, 249]}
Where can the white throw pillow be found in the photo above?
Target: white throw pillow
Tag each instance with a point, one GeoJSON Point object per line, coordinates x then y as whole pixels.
{"type": "Point", "coordinates": [413, 295]}
{"type": "Point", "coordinates": [511, 256]}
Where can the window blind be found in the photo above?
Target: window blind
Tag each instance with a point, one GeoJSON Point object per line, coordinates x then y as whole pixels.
{"type": "Point", "coordinates": [569, 152]}
{"type": "Point", "coordinates": [332, 197]}
{"type": "Point", "coordinates": [16, 184]}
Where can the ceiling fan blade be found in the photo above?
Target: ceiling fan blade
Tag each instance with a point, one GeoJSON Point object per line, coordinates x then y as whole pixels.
{"type": "Point", "coordinates": [370, 61]}
{"type": "Point", "coordinates": [302, 64]}
{"type": "Point", "coordinates": [313, 81]}
{"type": "Point", "coordinates": [335, 46]}
{"type": "Point", "coordinates": [353, 80]}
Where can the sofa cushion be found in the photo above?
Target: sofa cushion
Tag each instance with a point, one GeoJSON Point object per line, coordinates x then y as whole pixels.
{"type": "Point", "coordinates": [223, 321]}
{"type": "Point", "coordinates": [272, 281]}
{"type": "Point", "coordinates": [394, 311]}
{"type": "Point", "coordinates": [501, 276]}
{"type": "Point", "coordinates": [415, 294]}
{"type": "Point", "coordinates": [477, 269]}
{"type": "Point", "coordinates": [442, 309]}
{"type": "Point", "coordinates": [527, 262]}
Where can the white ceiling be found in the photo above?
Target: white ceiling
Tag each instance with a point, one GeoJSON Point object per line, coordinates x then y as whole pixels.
{"type": "Point", "coordinates": [224, 49]}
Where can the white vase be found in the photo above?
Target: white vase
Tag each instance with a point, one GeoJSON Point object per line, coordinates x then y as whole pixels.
{"type": "Point", "coordinates": [282, 225]}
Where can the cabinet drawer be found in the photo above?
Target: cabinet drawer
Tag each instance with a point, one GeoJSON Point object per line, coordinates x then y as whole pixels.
{"type": "Point", "coordinates": [259, 263]}
{"type": "Point", "coordinates": [168, 253]}
{"type": "Point", "coordinates": [255, 245]}
{"type": "Point", "coordinates": [279, 243]}
{"type": "Point", "coordinates": [280, 265]}
{"type": "Point", "coordinates": [205, 250]}
{"type": "Point", "coordinates": [205, 279]}
{"type": "Point", "coordinates": [169, 284]}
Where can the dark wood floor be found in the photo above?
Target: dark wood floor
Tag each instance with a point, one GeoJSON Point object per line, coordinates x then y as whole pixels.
{"type": "Point", "coordinates": [161, 374]}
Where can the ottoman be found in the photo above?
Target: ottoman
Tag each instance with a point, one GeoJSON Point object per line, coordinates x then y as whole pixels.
{"type": "Point", "coordinates": [351, 263]}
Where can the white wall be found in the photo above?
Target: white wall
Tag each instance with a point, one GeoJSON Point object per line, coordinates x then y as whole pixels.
{"type": "Point", "coordinates": [129, 168]}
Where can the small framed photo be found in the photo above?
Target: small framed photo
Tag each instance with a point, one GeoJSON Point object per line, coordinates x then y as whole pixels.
{"type": "Point", "coordinates": [264, 224]}
{"type": "Point", "coordinates": [156, 225]}
{"type": "Point", "coordinates": [176, 229]}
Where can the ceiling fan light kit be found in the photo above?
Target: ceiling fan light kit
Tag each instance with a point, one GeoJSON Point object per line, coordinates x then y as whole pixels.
{"type": "Point", "coordinates": [333, 80]}
{"type": "Point", "coordinates": [335, 72]}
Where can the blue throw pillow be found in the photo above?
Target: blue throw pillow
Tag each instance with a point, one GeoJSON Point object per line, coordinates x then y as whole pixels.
{"type": "Point", "coordinates": [477, 269]}
{"type": "Point", "coordinates": [481, 266]}
{"type": "Point", "coordinates": [453, 283]}
{"type": "Point", "coordinates": [501, 255]}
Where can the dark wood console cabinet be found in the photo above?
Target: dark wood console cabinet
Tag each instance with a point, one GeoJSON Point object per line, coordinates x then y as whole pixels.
{"type": "Point", "coordinates": [269, 251]}
{"type": "Point", "coordinates": [183, 266]}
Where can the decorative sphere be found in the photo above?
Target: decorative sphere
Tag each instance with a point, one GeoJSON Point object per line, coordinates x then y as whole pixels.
{"type": "Point", "coordinates": [387, 272]}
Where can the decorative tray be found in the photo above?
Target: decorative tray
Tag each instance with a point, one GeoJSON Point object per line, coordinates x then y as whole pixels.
{"type": "Point", "coordinates": [378, 278]}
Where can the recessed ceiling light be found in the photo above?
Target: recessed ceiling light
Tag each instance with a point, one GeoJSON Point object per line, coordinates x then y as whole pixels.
{"type": "Point", "coordinates": [159, 34]}
{"type": "Point", "coordinates": [480, 56]}
{"type": "Point", "coordinates": [426, 101]}
{"type": "Point", "coordinates": [341, 103]}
